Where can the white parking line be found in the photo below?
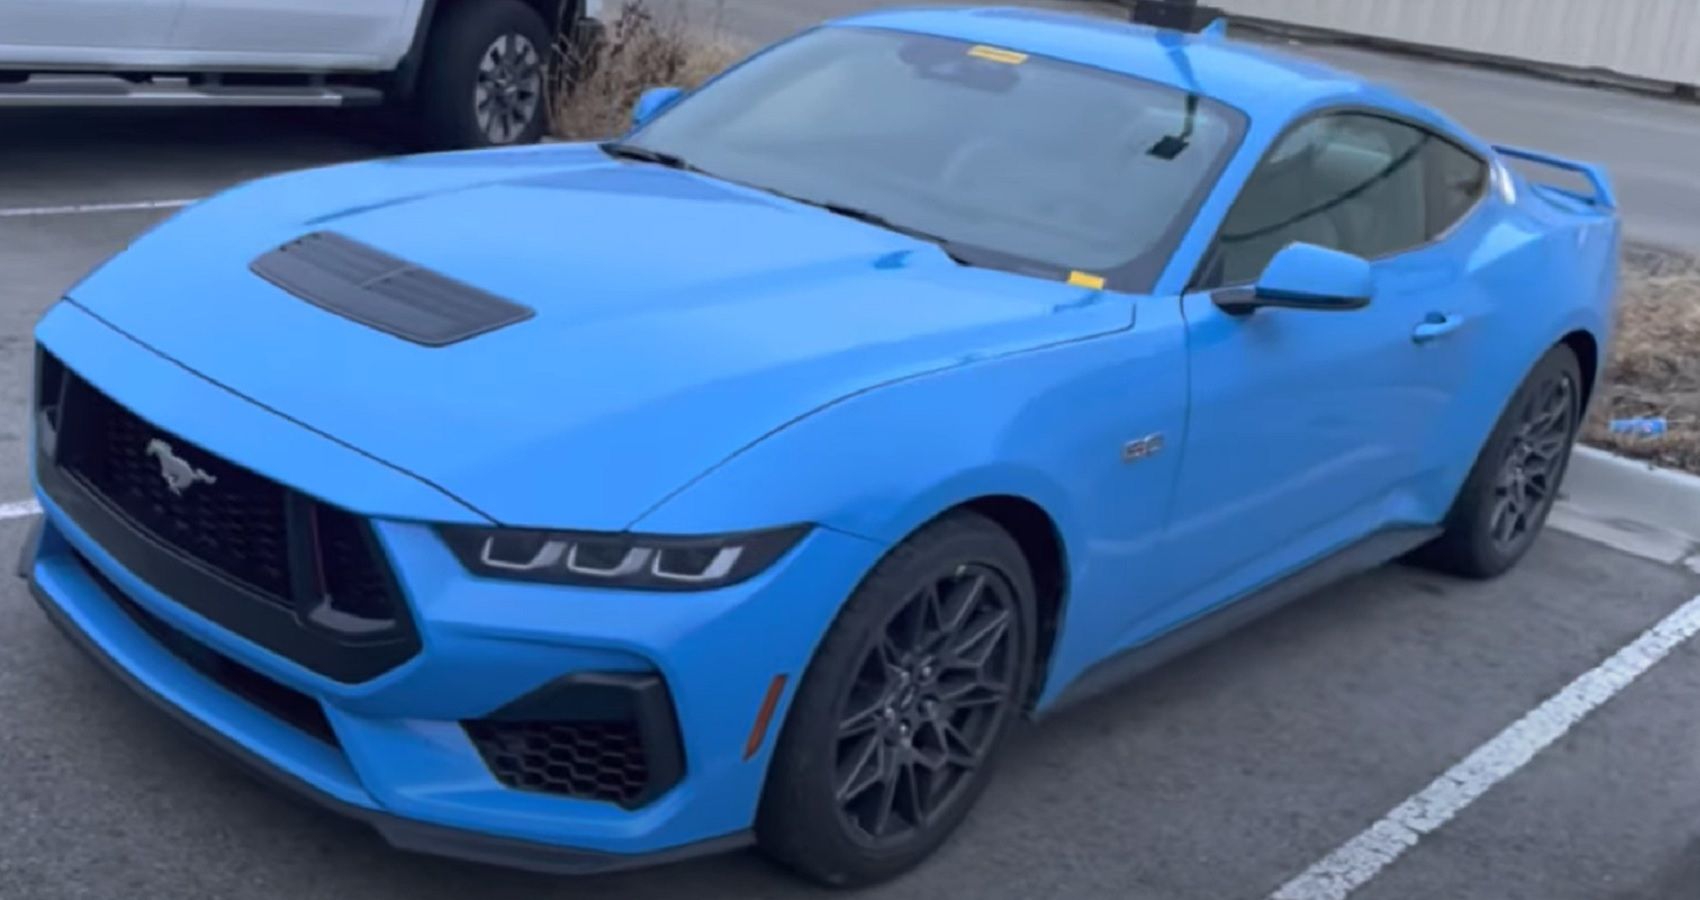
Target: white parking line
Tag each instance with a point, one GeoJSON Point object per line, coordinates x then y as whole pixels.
{"type": "Point", "coordinates": [86, 208]}
{"type": "Point", "coordinates": [19, 509]}
{"type": "Point", "coordinates": [1362, 858]}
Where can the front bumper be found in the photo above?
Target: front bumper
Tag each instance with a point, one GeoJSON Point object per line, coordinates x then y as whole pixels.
{"type": "Point", "coordinates": [402, 760]}
{"type": "Point", "coordinates": [403, 834]}
{"type": "Point", "coordinates": [396, 749]}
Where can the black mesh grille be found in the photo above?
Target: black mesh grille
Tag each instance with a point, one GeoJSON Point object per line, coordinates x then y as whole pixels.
{"type": "Point", "coordinates": [588, 760]}
{"type": "Point", "coordinates": [225, 516]}
{"type": "Point", "coordinates": [300, 577]}
{"type": "Point", "coordinates": [356, 583]}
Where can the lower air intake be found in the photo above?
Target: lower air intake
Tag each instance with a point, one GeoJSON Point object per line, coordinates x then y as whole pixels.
{"type": "Point", "coordinates": [590, 760]}
{"type": "Point", "coordinates": [610, 737]}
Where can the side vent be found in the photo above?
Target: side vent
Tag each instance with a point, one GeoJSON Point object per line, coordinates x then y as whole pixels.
{"type": "Point", "coordinates": [392, 295]}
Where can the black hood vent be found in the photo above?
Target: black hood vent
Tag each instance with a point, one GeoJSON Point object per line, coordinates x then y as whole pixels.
{"type": "Point", "coordinates": [392, 295]}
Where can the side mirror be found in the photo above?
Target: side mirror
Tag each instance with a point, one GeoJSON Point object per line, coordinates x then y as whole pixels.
{"type": "Point", "coordinates": [1305, 276]}
{"type": "Point", "coordinates": [653, 101]}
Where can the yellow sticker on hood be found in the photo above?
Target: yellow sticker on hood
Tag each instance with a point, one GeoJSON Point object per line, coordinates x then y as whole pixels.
{"type": "Point", "coordinates": [997, 54]}
{"type": "Point", "coordinates": [1086, 280]}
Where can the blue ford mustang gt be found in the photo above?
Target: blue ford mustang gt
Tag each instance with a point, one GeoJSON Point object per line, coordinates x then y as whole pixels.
{"type": "Point", "coordinates": [748, 477]}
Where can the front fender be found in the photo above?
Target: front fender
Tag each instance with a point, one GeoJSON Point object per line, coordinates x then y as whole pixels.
{"type": "Point", "coordinates": [882, 463]}
{"type": "Point", "coordinates": [1047, 425]}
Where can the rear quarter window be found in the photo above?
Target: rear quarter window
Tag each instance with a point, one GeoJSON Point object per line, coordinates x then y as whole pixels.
{"type": "Point", "coordinates": [1457, 180]}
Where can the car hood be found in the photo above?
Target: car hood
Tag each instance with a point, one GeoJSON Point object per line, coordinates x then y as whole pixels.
{"type": "Point", "coordinates": [678, 319]}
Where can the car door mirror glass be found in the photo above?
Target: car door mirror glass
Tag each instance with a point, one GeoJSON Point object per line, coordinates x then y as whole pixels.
{"type": "Point", "coordinates": [653, 101]}
{"type": "Point", "coordinates": [1306, 276]}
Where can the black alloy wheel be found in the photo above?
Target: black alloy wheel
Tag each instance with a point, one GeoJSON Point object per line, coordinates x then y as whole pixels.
{"type": "Point", "coordinates": [1533, 461]}
{"type": "Point", "coordinates": [927, 703]}
{"type": "Point", "coordinates": [898, 721]}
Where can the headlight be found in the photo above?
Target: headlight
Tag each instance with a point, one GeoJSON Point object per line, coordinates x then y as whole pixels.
{"type": "Point", "coordinates": [638, 561]}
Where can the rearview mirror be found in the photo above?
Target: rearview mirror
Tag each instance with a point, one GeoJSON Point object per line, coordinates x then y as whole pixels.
{"type": "Point", "coordinates": [653, 101]}
{"type": "Point", "coordinates": [1305, 276]}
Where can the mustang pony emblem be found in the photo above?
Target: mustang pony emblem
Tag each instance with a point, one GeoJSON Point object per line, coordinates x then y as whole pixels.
{"type": "Point", "coordinates": [179, 475]}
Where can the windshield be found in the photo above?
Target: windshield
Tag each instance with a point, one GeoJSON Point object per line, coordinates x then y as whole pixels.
{"type": "Point", "coordinates": [1013, 161]}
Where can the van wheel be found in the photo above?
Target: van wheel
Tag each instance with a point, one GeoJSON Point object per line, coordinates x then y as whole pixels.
{"type": "Point", "coordinates": [485, 76]}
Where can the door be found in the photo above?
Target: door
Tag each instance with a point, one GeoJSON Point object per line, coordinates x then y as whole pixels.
{"type": "Point", "coordinates": [47, 31]}
{"type": "Point", "coordinates": [293, 29]}
{"type": "Point", "coordinates": [1308, 429]}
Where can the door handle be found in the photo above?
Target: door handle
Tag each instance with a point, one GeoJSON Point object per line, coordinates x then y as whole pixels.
{"type": "Point", "coordinates": [1436, 325]}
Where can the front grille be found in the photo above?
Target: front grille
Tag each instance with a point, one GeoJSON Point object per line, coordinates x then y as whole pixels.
{"type": "Point", "coordinates": [352, 577]}
{"type": "Point", "coordinates": [300, 577]}
{"type": "Point", "coordinates": [234, 521]}
{"type": "Point", "coordinates": [588, 760]}
{"type": "Point", "coordinates": [284, 703]}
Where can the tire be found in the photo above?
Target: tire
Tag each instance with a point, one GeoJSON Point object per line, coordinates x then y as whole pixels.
{"type": "Point", "coordinates": [485, 77]}
{"type": "Point", "coordinates": [1544, 416]}
{"type": "Point", "coordinates": [803, 822]}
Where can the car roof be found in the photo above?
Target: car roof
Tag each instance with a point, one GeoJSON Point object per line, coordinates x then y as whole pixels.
{"type": "Point", "coordinates": [1258, 81]}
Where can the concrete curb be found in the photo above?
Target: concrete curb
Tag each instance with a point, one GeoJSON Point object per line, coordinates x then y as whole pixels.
{"type": "Point", "coordinates": [1631, 505]}
{"type": "Point", "coordinates": [1663, 497]}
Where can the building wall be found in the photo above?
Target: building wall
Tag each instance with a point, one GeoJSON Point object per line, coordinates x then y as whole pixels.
{"type": "Point", "coordinates": [1656, 39]}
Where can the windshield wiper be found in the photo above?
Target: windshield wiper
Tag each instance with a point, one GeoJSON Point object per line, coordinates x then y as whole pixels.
{"type": "Point", "coordinates": [872, 218]}
{"type": "Point", "coordinates": [644, 154]}
{"type": "Point", "coordinates": [674, 161]}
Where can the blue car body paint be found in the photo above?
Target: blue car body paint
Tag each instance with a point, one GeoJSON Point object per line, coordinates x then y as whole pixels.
{"type": "Point", "coordinates": [708, 358]}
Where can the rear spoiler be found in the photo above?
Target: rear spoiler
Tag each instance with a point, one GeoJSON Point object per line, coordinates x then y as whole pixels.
{"type": "Point", "coordinates": [1604, 197]}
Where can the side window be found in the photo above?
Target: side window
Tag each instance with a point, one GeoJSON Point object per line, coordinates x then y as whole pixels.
{"type": "Point", "coordinates": [1457, 179]}
{"type": "Point", "coordinates": [1349, 182]}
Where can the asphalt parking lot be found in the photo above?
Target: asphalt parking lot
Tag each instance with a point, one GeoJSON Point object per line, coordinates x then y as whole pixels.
{"type": "Point", "coordinates": [1224, 775]}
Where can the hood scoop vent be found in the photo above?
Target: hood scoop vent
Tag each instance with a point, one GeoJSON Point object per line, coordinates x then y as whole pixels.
{"type": "Point", "coordinates": [394, 296]}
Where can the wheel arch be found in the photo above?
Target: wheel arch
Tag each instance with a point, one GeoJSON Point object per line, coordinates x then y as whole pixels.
{"type": "Point", "coordinates": [1581, 337]}
{"type": "Point", "coordinates": [1036, 532]}
{"type": "Point", "coordinates": [406, 78]}
{"type": "Point", "coordinates": [1586, 346]}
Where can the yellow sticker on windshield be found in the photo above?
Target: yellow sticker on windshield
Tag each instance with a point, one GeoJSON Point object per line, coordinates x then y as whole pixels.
{"type": "Point", "coordinates": [1086, 280]}
{"type": "Point", "coordinates": [998, 54]}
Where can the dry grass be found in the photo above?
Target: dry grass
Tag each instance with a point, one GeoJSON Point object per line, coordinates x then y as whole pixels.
{"type": "Point", "coordinates": [1655, 365]}
{"type": "Point", "coordinates": [644, 49]}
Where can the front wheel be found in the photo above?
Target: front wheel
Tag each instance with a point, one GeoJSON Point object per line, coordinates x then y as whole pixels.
{"type": "Point", "coordinates": [898, 720]}
{"type": "Point", "coordinates": [484, 82]}
{"type": "Point", "coordinates": [1512, 487]}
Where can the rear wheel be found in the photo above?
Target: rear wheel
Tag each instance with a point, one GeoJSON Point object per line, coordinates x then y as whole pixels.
{"type": "Point", "coordinates": [485, 76]}
{"type": "Point", "coordinates": [895, 727]}
{"type": "Point", "coordinates": [1511, 489]}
